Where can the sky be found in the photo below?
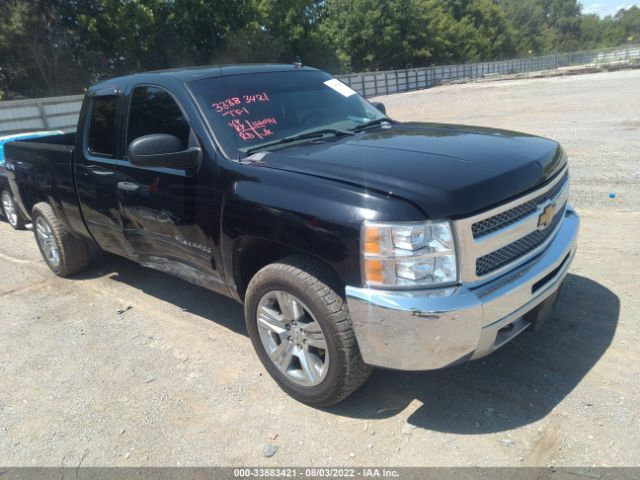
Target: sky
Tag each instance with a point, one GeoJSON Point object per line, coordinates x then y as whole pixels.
{"type": "Point", "coordinates": [606, 7]}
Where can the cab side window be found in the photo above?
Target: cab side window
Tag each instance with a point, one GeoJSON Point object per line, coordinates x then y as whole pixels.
{"type": "Point", "coordinates": [153, 110]}
{"type": "Point", "coordinates": [102, 126]}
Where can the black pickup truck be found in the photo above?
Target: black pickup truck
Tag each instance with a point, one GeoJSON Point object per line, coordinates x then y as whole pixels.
{"type": "Point", "coordinates": [353, 241]}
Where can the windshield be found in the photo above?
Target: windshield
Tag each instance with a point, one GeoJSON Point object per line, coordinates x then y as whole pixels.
{"type": "Point", "coordinates": [247, 111]}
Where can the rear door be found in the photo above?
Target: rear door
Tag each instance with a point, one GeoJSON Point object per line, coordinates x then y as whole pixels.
{"type": "Point", "coordinates": [96, 156]}
{"type": "Point", "coordinates": [168, 213]}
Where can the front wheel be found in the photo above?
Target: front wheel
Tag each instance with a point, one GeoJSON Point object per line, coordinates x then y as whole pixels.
{"type": "Point", "coordinates": [300, 327]}
{"type": "Point", "coordinates": [11, 212]}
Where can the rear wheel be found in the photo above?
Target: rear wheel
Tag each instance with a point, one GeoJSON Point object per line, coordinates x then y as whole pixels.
{"type": "Point", "coordinates": [64, 253]}
{"type": "Point", "coordinates": [11, 212]}
{"type": "Point", "coordinates": [300, 327]}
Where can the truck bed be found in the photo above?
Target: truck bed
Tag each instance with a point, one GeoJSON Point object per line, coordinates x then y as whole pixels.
{"type": "Point", "coordinates": [41, 170]}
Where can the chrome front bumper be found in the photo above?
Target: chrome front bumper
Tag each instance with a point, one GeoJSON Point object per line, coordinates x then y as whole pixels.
{"type": "Point", "coordinates": [429, 329]}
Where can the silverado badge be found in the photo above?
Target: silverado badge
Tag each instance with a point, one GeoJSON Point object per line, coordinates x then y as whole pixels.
{"type": "Point", "coordinates": [546, 216]}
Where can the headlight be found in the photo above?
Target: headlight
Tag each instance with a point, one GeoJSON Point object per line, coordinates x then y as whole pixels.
{"type": "Point", "coordinates": [408, 254]}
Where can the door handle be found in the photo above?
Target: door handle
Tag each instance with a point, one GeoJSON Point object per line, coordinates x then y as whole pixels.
{"type": "Point", "coordinates": [128, 186]}
{"type": "Point", "coordinates": [98, 170]}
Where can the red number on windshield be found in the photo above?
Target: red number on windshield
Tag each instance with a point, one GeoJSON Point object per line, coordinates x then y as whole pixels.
{"type": "Point", "coordinates": [246, 129]}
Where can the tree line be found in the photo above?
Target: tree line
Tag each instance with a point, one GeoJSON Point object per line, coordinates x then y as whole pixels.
{"type": "Point", "coordinates": [56, 47]}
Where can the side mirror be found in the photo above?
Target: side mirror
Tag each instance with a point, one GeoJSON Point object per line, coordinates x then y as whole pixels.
{"type": "Point", "coordinates": [380, 106]}
{"type": "Point", "coordinates": [162, 150]}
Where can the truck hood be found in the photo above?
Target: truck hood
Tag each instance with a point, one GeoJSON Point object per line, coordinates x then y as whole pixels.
{"type": "Point", "coordinates": [448, 171]}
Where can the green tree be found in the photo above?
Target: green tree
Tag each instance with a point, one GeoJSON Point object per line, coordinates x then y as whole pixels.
{"type": "Point", "coordinates": [482, 30]}
{"type": "Point", "coordinates": [51, 47]}
{"type": "Point", "coordinates": [564, 22]}
{"type": "Point", "coordinates": [280, 31]}
{"type": "Point", "coordinates": [543, 26]}
{"type": "Point", "coordinates": [121, 36]}
{"type": "Point", "coordinates": [35, 50]}
{"type": "Point", "coordinates": [529, 21]}
{"type": "Point", "coordinates": [629, 22]}
{"type": "Point", "coordinates": [378, 34]}
{"type": "Point", "coordinates": [591, 32]}
{"type": "Point", "coordinates": [385, 34]}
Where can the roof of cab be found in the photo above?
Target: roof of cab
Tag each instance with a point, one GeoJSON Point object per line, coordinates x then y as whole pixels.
{"type": "Point", "coordinates": [188, 74]}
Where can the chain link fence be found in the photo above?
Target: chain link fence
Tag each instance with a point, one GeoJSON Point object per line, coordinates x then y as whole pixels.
{"type": "Point", "coordinates": [61, 113]}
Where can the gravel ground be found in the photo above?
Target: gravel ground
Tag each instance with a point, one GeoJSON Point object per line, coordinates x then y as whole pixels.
{"type": "Point", "coordinates": [124, 366]}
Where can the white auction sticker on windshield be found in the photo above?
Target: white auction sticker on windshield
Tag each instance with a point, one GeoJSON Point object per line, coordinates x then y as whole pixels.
{"type": "Point", "coordinates": [340, 87]}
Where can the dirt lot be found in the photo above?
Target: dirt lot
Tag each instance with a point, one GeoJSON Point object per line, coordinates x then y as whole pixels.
{"type": "Point", "coordinates": [173, 380]}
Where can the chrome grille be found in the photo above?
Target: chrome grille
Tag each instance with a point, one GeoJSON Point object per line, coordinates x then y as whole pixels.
{"type": "Point", "coordinates": [505, 255]}
{"type": "Point", "coordinates": [504, 219]}
{"type": "Point", "coordinates": [492, 242]}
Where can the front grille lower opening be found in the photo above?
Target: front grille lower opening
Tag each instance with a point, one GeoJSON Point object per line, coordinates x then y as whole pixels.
{"type": "Point", "coordinates": [506, 329]}
{"type": "Point", "coordinates": [548, 277]}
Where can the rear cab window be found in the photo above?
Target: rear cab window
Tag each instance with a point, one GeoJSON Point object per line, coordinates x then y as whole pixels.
{"type": "Point", "coordinates": [102, 126]}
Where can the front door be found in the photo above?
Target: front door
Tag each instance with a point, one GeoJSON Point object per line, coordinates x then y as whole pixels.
{"type": "Point", "coordinates": [168, 214]}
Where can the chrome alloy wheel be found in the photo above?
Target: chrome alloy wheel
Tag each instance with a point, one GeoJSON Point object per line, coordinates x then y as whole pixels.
{"type": "Point", "coordinates": [9, 209]}
{"type": "Point", "coordinates": [47, 242]}
{"type": "Point", "coordinates": [292, 338]}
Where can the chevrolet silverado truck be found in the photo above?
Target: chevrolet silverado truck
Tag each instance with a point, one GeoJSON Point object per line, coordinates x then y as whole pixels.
{"type": "Point", "coordinates": [354, 241]}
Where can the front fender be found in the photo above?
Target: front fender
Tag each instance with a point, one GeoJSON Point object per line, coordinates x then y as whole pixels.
{"type": "Point", "coordinates": [306, 214]}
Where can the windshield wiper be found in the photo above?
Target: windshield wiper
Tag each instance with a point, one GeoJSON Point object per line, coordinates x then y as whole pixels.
{"type": "Point", "coordinates": [301, 136]}
{"type": "Point", "coordinates": [371, 123]}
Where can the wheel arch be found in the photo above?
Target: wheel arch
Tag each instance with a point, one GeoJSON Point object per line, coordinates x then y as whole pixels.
{"type": "Point", "coordinates": [250, 254]}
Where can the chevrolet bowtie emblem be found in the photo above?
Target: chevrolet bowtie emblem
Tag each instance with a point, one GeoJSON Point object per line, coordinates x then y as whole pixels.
{"type": "Point", "coordinates": [546, 216]}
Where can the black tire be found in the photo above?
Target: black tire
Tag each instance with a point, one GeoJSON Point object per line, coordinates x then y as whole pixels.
{"type": "Point", "coordinates": [16, 220]}
{"type": "Point", "coordinates": [316, 286]}
{"type": "Point", "coordinates": [73, 252]}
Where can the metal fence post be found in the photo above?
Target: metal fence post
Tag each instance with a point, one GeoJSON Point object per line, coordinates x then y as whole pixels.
{"type": "Point", "coordinates": [43, 114]}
